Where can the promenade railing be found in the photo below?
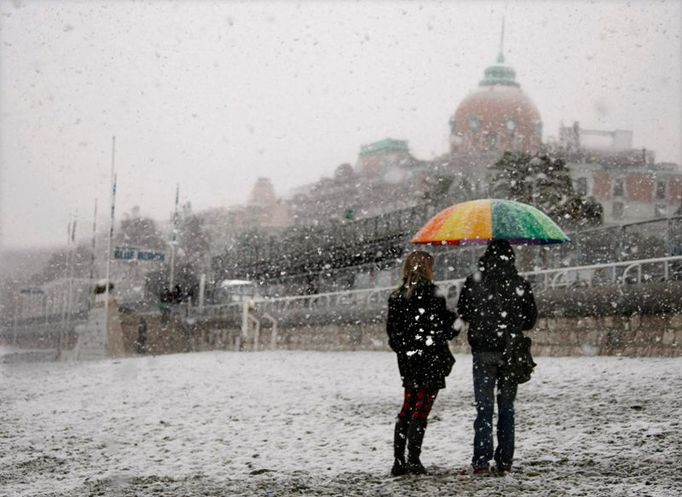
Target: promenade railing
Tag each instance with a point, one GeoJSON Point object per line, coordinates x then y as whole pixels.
{"type": "Point", "coordinates": [616, 273]}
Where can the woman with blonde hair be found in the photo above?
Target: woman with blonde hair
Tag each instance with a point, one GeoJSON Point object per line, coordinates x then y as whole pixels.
{"type": "Point", "coordinates": [418, 326]}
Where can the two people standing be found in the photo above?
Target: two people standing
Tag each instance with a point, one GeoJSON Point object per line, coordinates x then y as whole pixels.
{"type": "Point", "coordinates": [495, 301]}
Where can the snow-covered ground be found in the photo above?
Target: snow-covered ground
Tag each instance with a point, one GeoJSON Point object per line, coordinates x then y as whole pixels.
{"type": "Point", "coordinates": [304, 423]}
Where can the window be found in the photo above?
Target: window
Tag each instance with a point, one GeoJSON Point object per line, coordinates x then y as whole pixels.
{"type": "Point", "coordinates": [474, 123]}
{"type": "Point", "coordinates": [618, 188]}
{"type": "Point", "coordinates": [617, 211]}
{"type": "Point", "coordinates": [581, 187]}
{"type": "Point", "coordinates": [661, 190]}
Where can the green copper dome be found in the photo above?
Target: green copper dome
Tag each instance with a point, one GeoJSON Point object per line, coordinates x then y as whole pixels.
{"type": "Point", "coordinates": [499, 74]}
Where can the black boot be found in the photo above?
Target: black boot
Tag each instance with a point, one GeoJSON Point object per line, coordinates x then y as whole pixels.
{"type": "Point", "coordinates": [415, 437]}
{"type": "Point", "coordinates": [399, 441]}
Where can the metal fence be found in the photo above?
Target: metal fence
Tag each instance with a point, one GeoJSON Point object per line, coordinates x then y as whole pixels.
{"type": "Point", "coordinates": [615, 273]}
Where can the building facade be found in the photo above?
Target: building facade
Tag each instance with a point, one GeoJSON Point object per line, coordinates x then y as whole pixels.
{"type": "Point", "coordinates": [628, 182]}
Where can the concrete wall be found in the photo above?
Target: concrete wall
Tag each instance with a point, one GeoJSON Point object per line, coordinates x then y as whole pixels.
{"type": "Point", "coordinates": [633, 336]}
{"type": "Point", "coordinates": [640, 336]}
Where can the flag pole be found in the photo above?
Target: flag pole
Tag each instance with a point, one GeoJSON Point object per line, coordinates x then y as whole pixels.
{"type": "Point", "coordinates": [93, 245]}
{"type": "Point", "coordinates": [70, 265]}
{"type": "Point", "coordinates": [64, 296]}
{"type": "Point", "coordinates": [171, 279]}
{"type": "Point", "coordinates": [112, 196]}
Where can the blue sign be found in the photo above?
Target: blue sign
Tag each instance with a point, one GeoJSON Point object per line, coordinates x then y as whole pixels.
{"type": "Point", "coordinates": [148, 255]}
{"type": "Point", "coordinates": [32, 291]}
{"type": "Point", "coordinates": [124, 253]}
{"type": "Point", "coordinates": [131, 254]}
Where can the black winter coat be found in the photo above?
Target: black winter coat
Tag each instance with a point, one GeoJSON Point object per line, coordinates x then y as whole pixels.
{"type": "Point", "coordinates": [418, 330]}
{"type": "Point", "coordinates": [492, 300]}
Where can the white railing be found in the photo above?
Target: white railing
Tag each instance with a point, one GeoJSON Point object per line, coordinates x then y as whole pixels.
{"type": "Point", "coordinates": [614, 273]}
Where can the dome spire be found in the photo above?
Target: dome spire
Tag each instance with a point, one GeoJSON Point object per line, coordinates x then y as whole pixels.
{"type": "Point", "coordinates": [499, 73]}
{"type": "Point", "coordinates": [500, 55]}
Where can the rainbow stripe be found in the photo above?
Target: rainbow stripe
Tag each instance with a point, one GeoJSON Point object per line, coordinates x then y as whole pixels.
{"type": "Point", "coordinates": [479, 221]}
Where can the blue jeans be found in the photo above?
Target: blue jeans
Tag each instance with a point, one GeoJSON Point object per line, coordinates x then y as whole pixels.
{"type": "Point", "coordinates": [486, 377]}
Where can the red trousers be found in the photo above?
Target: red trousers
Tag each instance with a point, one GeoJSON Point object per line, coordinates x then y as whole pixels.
{"type": "Point", "coordinates": [417, 404]}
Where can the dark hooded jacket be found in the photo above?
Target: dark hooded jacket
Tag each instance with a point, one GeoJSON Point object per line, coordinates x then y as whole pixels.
{"type": "Point", "coordinates": [496, 299]}
{"type": "Point", "coordinates": [418, 330]}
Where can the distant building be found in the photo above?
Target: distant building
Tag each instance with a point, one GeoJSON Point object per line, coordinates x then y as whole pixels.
{"type": "Point", "coordinates": [626, 181]}
{"type": "Point", "coordinates": [574, 138]}
{"type": "Point", "coordinates": [262, 194]}
{"type": "Point", "coordinates": [386, 159]}
{"type": "Point", "coordinates": [496, 117]}
{"type": "Point", "coordinates": [386, 177]}
{"type": "Point", "coordinates": [263, 208]}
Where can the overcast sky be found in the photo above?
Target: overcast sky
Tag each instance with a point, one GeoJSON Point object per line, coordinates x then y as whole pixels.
{"type": "Point", "coordinates": [212, 95]}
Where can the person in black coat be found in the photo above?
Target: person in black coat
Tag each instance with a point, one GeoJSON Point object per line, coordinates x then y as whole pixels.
{"type": "Point", "coordinates": [495, 301]}
{"type": "Point", "coordinates": [418, 326]}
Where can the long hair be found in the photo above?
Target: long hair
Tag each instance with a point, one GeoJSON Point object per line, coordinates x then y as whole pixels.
{"type": "Point", "coordinates": [418, 268]}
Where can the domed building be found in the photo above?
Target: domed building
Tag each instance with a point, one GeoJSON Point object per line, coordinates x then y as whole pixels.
{"type": "Point", "coordinates": [496, 117]}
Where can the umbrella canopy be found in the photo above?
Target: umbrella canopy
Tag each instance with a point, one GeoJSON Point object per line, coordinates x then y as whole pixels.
{"type": "Point", "coordinates": [479, 221]}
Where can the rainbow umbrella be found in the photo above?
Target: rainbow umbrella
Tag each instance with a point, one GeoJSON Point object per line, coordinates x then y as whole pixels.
{"type": "Point", "coordinates": [479, 221]}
